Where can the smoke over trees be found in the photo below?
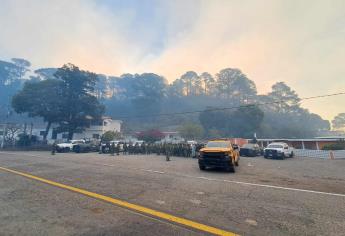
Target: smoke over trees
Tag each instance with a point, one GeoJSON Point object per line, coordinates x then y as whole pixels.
{"type": "Point", "coordinates": [143, 100]}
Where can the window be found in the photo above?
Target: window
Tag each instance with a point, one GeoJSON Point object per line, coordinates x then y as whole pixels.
{"type": "Point", "coordinates": [97, 123]}
{"type": "Point", "coordinates": [65, 135]}
{"type": "Point", "coordinates": [54, 134]}
{"type": "Point", "coordinates": [1, 132]}
{"type": "Point", "coordinates": [218, 144]}
{"type": "Point", "coordinates": [96, 136]}
{"type": "Point", "coordinates": [42, 133]}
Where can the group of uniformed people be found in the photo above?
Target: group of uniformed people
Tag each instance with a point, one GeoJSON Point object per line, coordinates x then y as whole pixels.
{"type": "Point", "coordinates": [167, 149]}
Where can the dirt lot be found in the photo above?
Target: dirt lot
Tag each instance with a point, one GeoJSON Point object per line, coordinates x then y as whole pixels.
{"type": "Point", "coordinates": [299, 196]}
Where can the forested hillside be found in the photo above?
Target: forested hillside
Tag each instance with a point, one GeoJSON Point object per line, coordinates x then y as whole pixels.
{"type": "Point", "coordinates": [142, 100]}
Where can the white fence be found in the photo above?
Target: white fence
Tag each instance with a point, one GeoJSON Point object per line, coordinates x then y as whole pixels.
{"type": "Point", "coordinates": [323, 154]}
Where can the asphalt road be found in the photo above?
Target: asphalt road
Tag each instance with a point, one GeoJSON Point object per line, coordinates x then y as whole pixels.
{"type": "Point", "coordinates": [299, 196]}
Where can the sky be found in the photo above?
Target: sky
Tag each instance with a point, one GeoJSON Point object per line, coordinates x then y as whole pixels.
{"type": "Point", "coordinates": [299, 42]}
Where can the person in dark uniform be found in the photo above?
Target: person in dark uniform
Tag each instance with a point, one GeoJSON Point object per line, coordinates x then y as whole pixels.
{"type": "Point", "coordinates": [125, 148]}
{"type": "Point", "coordinates": [167, 150]}
{"type": "Point", "coordinates": [54, 146]}
{"type": "Point", "coordinates": [117, 149]}
{"type": "Point", "coordinates": [100, 148]}
{"type": "Point", "coordinates": [112, 149]}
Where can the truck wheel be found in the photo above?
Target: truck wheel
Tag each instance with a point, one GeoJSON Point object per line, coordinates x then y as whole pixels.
{"type": "Point", "coordinates": [77, 149]}
{"type": "Point", "coordinates": [292, 155]}
{"type": "Point", "coordinates": [283, 156]}
{"type": "Point", "coordinates": [230, 168]}
{"type": "Point", "coordinates": [201, 167]}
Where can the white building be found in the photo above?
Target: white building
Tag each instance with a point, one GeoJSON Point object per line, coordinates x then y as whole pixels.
{"type": "Point", "coordinates": [172, 137]}
{"type": "Point", "coordinates": [94, 130]}
{"type": "Point", "coordinates": [98, 127]}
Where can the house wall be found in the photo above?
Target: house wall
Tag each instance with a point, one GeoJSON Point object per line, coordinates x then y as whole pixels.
{"type": "Point", "coordinates": [91, 132]}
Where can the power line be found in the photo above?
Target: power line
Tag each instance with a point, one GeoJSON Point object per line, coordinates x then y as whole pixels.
{"type": "Point", "coordinates": [228, 108]}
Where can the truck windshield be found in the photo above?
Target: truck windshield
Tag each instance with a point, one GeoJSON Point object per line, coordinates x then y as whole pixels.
{"type": "Point", "coordinates": [275, 146]}
{"type": "Point", "coordinates": [248, 145]}
{"type": "Point", "coordinates": [217, 144]}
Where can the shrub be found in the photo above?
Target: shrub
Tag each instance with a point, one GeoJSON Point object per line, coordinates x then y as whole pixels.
{"type": "Point", "coordinates": [24, 140]}
{"type": "Point", "coordinates": [335, 146]}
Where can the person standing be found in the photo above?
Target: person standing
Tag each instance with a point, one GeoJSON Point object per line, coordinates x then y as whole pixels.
{"type": "Point", "coordinates": [167, 151]}
{"type": "Point", "coordinates": [54, 146]}
{"type": "Point", "coordinates": [193, 150]}
{"type": "Point", "coordinates": [112, 149]}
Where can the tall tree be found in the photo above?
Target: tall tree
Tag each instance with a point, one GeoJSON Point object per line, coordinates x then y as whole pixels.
{"type": "Point", "coordinates": [192, 83]}
{"type": "Point", "coordinates": [232, 83]}
{"type": "Point", "coordinates": [43, 74]}
{"type": "Point", "coordinates": [40, 99]}
{"type": "Point", "coordinates": [339, 121]}
{"type": "Point", "coordinates": [78, 102]}
{"type": "Point", "coordinates": [11, 80]}
{"type": "Point", "coordinates": [177, 88]}
{"type": "Point", "coordinates": [191, 131]}
{"type": "Point", "coordinates": [243, 122]}
{"type": "Point", "coordinates": [101, 86]}
{"type": "Point", "coordinates": [288, 97]}
{"type": "Point", "coordinates": [208, 83]}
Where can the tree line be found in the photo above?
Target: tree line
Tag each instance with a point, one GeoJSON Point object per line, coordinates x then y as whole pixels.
{"type": "Point", "coordinates": [141, 100]}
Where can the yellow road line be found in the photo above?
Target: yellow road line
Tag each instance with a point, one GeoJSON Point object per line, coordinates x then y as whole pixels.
{"type": "Point", "coordinates": [131, 206]}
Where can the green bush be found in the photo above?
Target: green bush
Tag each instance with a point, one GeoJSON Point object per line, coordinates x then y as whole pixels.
{"type": "Point", "coordinates": [25, 140]}
{"type": "Point", "coordinates": [335, 146]}
{"type": "Point", "coordinates": [110, 136]}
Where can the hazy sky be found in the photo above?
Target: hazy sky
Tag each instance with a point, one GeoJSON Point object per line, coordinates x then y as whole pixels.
{"type": "Point", "coordinates": [299, 42]}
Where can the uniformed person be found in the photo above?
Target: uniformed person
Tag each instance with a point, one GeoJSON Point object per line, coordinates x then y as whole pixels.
{"type": "Point", "coordinates": [54, 146]}
{"type": "Point", "coordinates": [167, 150]}
{"type": "Point", "coordinates": [117, 149]}
{"type": "Point", "coordinates": [125, 148]}
{"type": "Point", "coordinates": [112, 149]}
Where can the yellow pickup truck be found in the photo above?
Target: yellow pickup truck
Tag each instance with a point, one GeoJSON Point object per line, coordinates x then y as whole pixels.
{"type": "Point", "coordinates": [219, 153]}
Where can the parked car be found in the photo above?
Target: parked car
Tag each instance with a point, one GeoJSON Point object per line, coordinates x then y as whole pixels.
{"type": "Point", "coordinates": [68, 146]}
{"type": "Point", "coordinates": [88, 146]}
{"type": "Point", "coordinates": [278, 150]}
{"type": "Point", "coordinates": [251, 150]}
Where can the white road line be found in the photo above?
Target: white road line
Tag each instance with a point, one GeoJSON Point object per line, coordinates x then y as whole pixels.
{"type": "Point", "coordinates": [265, 185]}
{"type": "Point", "coordinates": [154, 171]}
{"type": "Point", "coordinates": [284, 188]}
{"type": "Point", "coordinates": [201, 177]}
{"type": "Point", "coordinates": [108, 165]}
{"type": "Point", "coordinates": [259, 185]}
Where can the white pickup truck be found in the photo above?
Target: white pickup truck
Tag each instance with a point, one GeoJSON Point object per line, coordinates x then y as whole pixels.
{"type": "Point", "coordinates": [278, 150]}
{"type": "Point", "coordinates": [68, 146]}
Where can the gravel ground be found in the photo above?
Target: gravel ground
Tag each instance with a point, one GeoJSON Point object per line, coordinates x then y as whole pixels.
{"type": "Point", "coordinates": [246, 202]}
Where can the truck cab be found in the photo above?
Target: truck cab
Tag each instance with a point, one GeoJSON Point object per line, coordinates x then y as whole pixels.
{"type": "Point", "coordinates": [219, 153]}
{"type": "Point", "coordinates": [278, 150]}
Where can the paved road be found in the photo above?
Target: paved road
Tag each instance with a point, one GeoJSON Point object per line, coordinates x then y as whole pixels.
{"type": "Point", "coordinates": [309, 200]}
